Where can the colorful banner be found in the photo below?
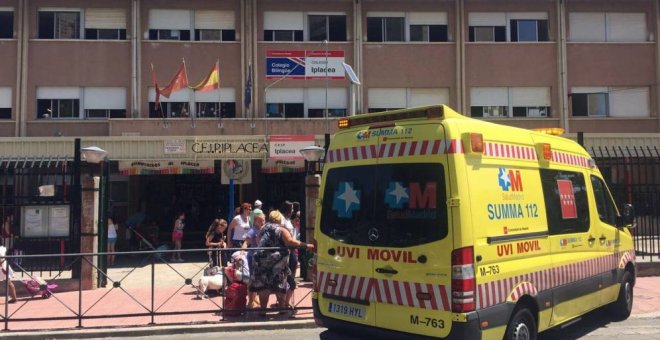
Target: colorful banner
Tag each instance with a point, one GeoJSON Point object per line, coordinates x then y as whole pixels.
{"type": "Point", "coordinates": [287, 147]}
{"type": "Point", "coordinates": [305, 64]}
{"type": "Point", "coordinates": [165, 167]}
{"type": "Point", "coordinates": [271, 166]}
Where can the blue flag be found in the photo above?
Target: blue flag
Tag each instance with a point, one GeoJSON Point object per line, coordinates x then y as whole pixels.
{"type": "Point", "coordinates": [248, 88]}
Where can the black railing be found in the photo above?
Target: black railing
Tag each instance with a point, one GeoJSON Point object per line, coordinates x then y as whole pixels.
{"type": "Point", "coordinates": [139, 300]}
{"type": "Point", "coordinates": [633, 175]}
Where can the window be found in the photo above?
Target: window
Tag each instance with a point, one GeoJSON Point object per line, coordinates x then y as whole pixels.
{"type": "Point", "coordinates": [105, 24]}
{"type": "Point", "coordinates": [6, 24]}
{"type": "Point", "coordinates": [604, 204]}
{"type": "Point", "coordinates": [380, 204]}
{"type": "Point", "coordinates": [59, 25]}
{"type": "Point", "coordinates": [588, 103]}
{"type": "Point", "coordinates": [504, 102]}
{"type": "Point", "coordinates": [58, 108]}
{"type": "Point", "coordinates": [610, 101]}
{"type": "Point", "coordinates": [521, 26]}
{"type": "Point", "coordinates": [428, 26]}
{"type": "Point", "coordinates": [58, 102]}
{"type": "Point", "coordinates": [169, 109]}
{"type": "Point", "coordinates": [283, 26]}
{"type": "Point", "coordinates": [167, 24]}
{"type": "Point", "coordinates": [607, 27]}
{"type": "Point", "coordinates": [398, 98]}
{"type": "Point", "coordinates": [285, 103]}
{"type": "Point", "coordinates": [220, 101]}
{"type": "Point", "coordinates": [104, 102]}
{"type": "Point", "coordinates": [566, 205]}
{"type": "Point", "coordinates": [327, 27]}
{"type": "Point", "coordinates": [383, 29]}
{"type": "Point", "coordinates": [211, 110]}
{"type": "Point", "coordinates": [529, 30]}
{"type": "Point", "coordinates": [5, 102]}
{"type": "Point", "coordinates": [337, 100]}
{"type": "Point", "coordinates": [214, 26]}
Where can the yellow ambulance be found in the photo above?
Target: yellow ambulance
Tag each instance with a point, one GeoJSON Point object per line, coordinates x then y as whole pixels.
{"type": "Point", "coordinates": [435, 224]}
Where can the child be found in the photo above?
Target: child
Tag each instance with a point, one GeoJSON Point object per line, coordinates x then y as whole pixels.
{"type": "Point", "coordinates": [7, 274]}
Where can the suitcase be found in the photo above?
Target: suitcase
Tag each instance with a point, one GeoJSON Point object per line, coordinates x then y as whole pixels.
{"type": "Point", "coordinates": [235, 299]}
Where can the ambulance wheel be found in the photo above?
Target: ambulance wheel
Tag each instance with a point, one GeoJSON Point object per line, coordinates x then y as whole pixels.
{"type": "Point", "coordinates": [522, 325]}
{"type": "Point", "coordinates": [622, 307]}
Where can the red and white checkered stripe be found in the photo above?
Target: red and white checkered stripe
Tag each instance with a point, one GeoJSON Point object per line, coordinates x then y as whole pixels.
{"type": "Point", "coordinates": [525, 288]}
{"type": "Point", "coordinates": [398, 149]}
{"type": "Point", "coordinates": [503, 150]}
{"type": "Point", "coordinates": [570, 159]}
{"type": "Point", "coordinates": [495, 292]}
{"type": "Point", "coordinates": [391, 292]}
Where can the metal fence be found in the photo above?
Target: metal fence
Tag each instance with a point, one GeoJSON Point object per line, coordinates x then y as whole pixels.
{"type": "Point", "coordinates": [633, 175]}
{"type": "Point", "coordinates": [147, 289]}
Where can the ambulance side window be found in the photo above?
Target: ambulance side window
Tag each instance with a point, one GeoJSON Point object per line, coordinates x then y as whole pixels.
{"type": "Point", "coordinates": [566, 204]}
{"type": "Point", "coordinates": [604, 204]}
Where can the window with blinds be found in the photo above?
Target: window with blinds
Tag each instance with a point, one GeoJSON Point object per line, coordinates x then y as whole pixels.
{"type": "Point", "coordinates": [170, 24]}
{"type": "Point", "coordinates": [283, 26]}
{"type": "Point", "coordinates": [607, 27]}
{"type": "Point", "coordinates": [5, 102]}
{"type": "Point", "coordinates": [507, 102]}
{"type": "Point", "coordinates": [215, 26]}
{"type": "Point", "coordinates": [105, 24]}
{"type": "Point", "coordinates": [104, 102]}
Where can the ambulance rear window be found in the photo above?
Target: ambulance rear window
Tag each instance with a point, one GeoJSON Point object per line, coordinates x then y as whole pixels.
{"type": "Point", "coordinates": [392, 205]}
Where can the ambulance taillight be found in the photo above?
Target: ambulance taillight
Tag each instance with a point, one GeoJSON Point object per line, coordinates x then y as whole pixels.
{"type": "Point", "coordinates": [462, 280]}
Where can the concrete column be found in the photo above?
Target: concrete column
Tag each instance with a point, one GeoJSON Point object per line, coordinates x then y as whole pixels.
{"type": "Point", "coordinates": [312, 184]}
{"type": "Point", "coordinates": [89, 231]}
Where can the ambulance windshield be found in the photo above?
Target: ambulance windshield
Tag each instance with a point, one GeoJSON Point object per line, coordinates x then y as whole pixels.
{"type": "Point", "coordinates": [389, 205]}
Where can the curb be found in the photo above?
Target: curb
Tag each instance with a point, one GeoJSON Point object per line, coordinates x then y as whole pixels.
{"type": "Point", "coordinates": [645, 269]}
{"type": "Point", "coordinates": [160, 330]}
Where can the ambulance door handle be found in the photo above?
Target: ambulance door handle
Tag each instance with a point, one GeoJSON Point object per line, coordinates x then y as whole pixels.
{"type": "Point", "coordinates": [386, 271]}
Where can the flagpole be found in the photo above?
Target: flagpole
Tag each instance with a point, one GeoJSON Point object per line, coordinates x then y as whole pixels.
{"type": "Point", "coordinates": [157, 104]}
{"type": "Point", "coordinates": [218, 111]}
{"type": "Point", "coordinates": [190, 111]}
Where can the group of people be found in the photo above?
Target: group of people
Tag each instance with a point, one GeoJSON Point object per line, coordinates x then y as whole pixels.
{"type": "Point", "coordinates": [271, 270]}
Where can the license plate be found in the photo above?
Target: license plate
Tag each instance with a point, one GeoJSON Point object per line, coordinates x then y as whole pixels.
{"type": "Point", "coordinates": [347, 310]}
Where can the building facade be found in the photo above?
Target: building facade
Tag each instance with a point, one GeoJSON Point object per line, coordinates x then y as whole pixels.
{"type": "Point", "coordinates": [76, 68]}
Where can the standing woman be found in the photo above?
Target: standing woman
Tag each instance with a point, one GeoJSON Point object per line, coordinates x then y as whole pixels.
{"type": "Point", "coordinates": [112, 240]}
{"type": "Point", "coordinates": [240, 225]}
{"type": "Point", "coordinates": [177, 236]}
{"type": "Point", "coordinates": [216, 238]}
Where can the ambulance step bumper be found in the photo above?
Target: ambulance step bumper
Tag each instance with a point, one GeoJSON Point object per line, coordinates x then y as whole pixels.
{"type": "Point", "coordinates": [459, 330]}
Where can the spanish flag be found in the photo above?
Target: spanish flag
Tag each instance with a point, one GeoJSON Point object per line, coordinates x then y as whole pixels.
{"type": "Point", "coordinates": [211, 82]}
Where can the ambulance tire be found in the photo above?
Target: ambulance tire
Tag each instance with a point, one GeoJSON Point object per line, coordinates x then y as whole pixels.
{"type": "Point", "coordinates": [522, 325]}
{"type": "Point", "coordinates": [622, 307]}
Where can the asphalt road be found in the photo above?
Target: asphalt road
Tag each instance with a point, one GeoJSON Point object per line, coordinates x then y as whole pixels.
{"type": "Point", "coordinates": [594, 326]}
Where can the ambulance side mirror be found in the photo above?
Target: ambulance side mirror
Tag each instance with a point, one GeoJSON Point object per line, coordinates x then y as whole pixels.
{"type": "Point", "coordinates": [627, 218]}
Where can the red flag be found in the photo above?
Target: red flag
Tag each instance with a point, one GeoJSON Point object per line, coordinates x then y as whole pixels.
{"type": "Point", "coordinates": [179, 82]}
{"type": "Point", "coordinates": [567, 199]}
{"type": "Point", "coordinates": [211, 82]}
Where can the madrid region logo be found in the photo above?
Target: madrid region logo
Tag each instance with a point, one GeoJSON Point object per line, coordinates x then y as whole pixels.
{"type": "Point", "coordinates": [509, 180]}
{"type": "Point", "coordinates": [397, 195]}
{"type": "Point", "coordinates": [346, 200]}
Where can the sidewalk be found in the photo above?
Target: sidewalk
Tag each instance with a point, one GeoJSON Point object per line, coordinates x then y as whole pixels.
{"type": "Point", "coordinates": [133, 297]}
{"type": "Point", "coordinates": [170, 297]}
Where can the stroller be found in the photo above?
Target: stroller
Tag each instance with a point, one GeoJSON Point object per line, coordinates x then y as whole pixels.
{"type": "Point", "coordinates": [148, 245]}
{"type": "Point", "coordinates": [36, 285]}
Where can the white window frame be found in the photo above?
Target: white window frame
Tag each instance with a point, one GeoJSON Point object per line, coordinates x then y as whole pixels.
{"type": "Point", "coordinates": [171, 20]}
{"type": "Point", "coordinates": [81, 21]}
{"type": "Point", "coordinates": [503, 19]}
{"type": "Point", "coordinates": [61, 93]}
{"type": "Point", "coordinates": [213, 20]}
{"type": "Point", "coordinates": [533, 99]}
{"type": "Point", "coordinates": [606, 26]}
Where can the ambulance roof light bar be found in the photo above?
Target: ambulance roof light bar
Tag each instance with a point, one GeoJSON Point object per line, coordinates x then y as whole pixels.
{"type": "Point", "coordinates": [554, 131]}
{"type": "Point", "coordinates": [428, 112]}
